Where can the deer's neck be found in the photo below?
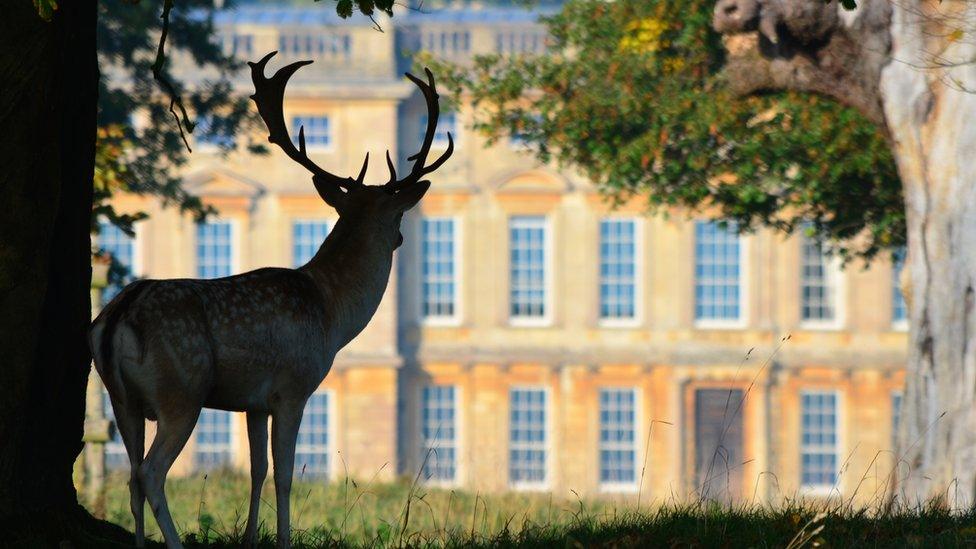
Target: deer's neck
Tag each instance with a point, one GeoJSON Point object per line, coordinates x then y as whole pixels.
{"type": "Point", "coordinates": [351, 272]}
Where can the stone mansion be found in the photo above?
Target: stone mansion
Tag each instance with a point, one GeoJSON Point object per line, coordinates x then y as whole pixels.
{"type": "Point", "coordinates": [532, 337]}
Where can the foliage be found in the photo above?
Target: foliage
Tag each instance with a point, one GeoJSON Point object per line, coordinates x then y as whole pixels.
{"type": "Point", "coordinates": [139, 147]}
{"type": "Point", "coordinates": [212, 512]}
{"type": "Point", "coordinates": [45, 8]}
{"type": "Point", "coordinates": [631, 93]}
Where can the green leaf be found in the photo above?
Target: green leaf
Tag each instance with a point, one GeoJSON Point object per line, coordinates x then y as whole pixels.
{"type": "Point", "coordinates": [344, 8]}
{"type": "Point", "coordinates": [632, 94]}
{"type": "Point", "coordinates": [46, 8]}
{"type": "Point", "coordinates": [365, 6]}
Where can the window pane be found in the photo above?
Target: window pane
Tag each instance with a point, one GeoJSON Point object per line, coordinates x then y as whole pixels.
{"type": "Point", "coordinates": [446, 122]}
{"type": "Point", "coordinates": [519, 42]}
{"type": "Point", "coordinates": [618, 269]}
{"type": "Point", "coordinates": [318, 130]}
{"type": "Point", "coordinates": [116, 457]}
{"type": "Point", "coordinates": [332, 45]}
{"type": "Point", "coordinates": [113, 241]}
{"type": "Point", "coordinates": [527, 436]}
{"type": "Point", "coordinates": [307, 237]}
{"type": "Point", "coordinates": [446, 42]}
{"type": "Point", "coordinates": [439, 433]}
{"type": "Point", "coordinates": [213, 440]}
{"type": "Point", "coordinates": [818, 285]}
{"type": "Point", "coordinates": [214, 250]}
{"type": "Point", "coordinates": [618, 437]}
{"type": "Point", "coordinates": [527, 239]}
{"type": "Point", "coordinates": [312, 451]}
{"type": "Point", "coordinates": [438, 276]}
{"type": "Point", "coordinates": [818, 439]}
{"type": "Point", "coordinates": [206, 134]}
{"type": "Point", "coordinates": [717, 272]}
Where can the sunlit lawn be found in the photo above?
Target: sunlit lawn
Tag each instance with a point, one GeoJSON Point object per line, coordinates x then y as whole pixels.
{"type": "Point", "coordinates": [357, 513]}
{"type": "Point", "coordinates": [212, 512]}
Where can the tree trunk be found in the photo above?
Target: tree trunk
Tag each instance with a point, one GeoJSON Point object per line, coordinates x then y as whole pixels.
{"type": "Point", "coordinates": [48, 98]}
{"type": "Point", "coordinates": [910, 66]}
{"type": "Point", "coordinates": [931, 122]}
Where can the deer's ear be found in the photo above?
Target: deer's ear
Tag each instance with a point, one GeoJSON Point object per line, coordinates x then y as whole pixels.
{"type": "Point", "coordinates": [332, 194]}
{"type": "Point", "coordinates": [408, 198]}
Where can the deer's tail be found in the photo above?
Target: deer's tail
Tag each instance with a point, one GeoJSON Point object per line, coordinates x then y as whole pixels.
{"type": "Point", "coordinates": [102, 334]}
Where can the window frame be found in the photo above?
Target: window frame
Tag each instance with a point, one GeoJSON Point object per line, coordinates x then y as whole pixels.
{"type": "Point", "coordinates": [546, 483]}
{"type": "Point", "coordinates": [329, 225]}
{"type": "Point", "coordinates": [330, 44]}
{"type": "Point", "coordinates": [546, 319]}
{"type": "Point", "coordinates": [447, 41]}
{"type": "Point", "coordinates": [137, 269]}
{"type": "Point", "coordinates": [313, 147]}
{"type": "Point", "coordinates": [440, 144]}
{"type": "Point", "coordinates": [742, 322]}
{"type": "Point", "coordinates": [330, 450]}
{"type": "Point", "coordinates": [457, 235]}
{"type": "Point", "coordinates": [235, 245]}
{"type": "Point", "coordinates": [821, 490]}
{"type": "Point", "coordinates": [639, 279]}
{"type": "Point", "coordinates": [505, 38]}
{"type": "Point", "coordinates": [457, 442]}
{"type": "Point", "coordinates": [114, 446]}
{"type": "Point", "coordinates": [232, 434]}
{"type": "Point", "coordinates": [621, 487]}
{"type": "Point", "coordinates": [210, 147]}
{"type": "Point", "coordinates": [834, 280]}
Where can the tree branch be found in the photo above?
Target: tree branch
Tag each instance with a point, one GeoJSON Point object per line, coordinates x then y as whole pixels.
{"type": "Point", "coordinates": [802, 45]}
{"type": "Point", "coordinates": [175, 101]}
{"type": "Point", "coordinates": [765, 66]}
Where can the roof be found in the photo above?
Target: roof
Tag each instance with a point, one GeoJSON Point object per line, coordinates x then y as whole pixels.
{"type": "Point", "coordinates": [489, 15]}
{"type": "Point", "coordinates": [284, 15]}
{"type": "Point", "coordinates": [325, 14]}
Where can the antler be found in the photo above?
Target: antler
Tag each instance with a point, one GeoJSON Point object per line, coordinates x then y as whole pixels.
{"type": "Point", "coordinates": [420, 168]}
{"type": "Point", "coordinates": [269, 95]}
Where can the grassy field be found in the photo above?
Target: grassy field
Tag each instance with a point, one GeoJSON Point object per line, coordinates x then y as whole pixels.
{"type": "Point", "coordinates": [216, 507]}
{"type": "Point", "coordinates": [211, 513]}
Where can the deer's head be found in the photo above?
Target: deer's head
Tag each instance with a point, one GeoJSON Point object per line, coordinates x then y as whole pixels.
{"type": "Point", "coordinates": [379, 207]}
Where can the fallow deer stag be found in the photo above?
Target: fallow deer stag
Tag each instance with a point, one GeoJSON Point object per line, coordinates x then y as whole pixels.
{"type": "Point", "coordinates": [259, 342]}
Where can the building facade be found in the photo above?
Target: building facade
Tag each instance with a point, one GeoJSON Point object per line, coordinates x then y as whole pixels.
{"type": "Point", "coordinates": [533, 337]}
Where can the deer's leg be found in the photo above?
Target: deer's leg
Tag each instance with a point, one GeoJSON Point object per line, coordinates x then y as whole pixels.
{"type": "Point", "coordinates": [284, 434]}
{"type": "Point", "coordinates": [172, 432]}
{"type": "Point", "coordinates": [257, 438]}
{"type": "Point", "coordinates": [132, 427]}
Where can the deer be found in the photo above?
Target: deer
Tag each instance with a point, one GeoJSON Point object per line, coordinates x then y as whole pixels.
{"type": "Point", "coordinates": [259, 342]}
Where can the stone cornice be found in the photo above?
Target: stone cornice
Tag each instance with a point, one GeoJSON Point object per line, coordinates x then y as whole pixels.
{"type": "Point", "coordinates": [363, 360]}
{"type": "Point", "coordinates": [678, 355]}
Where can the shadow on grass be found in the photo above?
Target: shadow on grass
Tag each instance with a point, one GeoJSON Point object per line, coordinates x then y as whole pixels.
{"type": "Point", "coordinates": [791, 527]}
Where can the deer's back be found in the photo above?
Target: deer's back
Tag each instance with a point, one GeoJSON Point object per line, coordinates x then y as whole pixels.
{"type": "Point", "coordinates": [238, 341]}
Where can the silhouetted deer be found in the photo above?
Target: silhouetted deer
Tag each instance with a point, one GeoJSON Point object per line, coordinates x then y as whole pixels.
{"type": "Point", "coordinates": [259, 342]}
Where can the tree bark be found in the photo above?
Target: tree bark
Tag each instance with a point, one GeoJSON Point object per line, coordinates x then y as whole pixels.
{"type": "Point", "coordinates": [48, 99]}
{"type": "Point", "coordinates": [909, 66]}
{"type": "Point", "coordinates": [931, 119]}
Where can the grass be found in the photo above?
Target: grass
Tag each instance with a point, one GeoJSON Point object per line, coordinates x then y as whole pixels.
{"type": "Point", "coordinates": [211, 512]}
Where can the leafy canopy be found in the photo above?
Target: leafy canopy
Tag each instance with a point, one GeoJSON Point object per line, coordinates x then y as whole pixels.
{"type": "Point", "coordinates": [139, 149]}
{"type": "Point", "coordinates": [631, 93]}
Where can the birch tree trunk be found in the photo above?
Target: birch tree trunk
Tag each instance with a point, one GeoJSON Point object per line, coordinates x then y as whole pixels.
{"type": "Point", "coordinates": [909, 65]}
{"type": "Point", "coordinates": [932, 121]}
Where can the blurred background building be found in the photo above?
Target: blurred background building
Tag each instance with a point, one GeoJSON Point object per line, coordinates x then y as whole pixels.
{"type": "Point", "coordinates": [533, 337]}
